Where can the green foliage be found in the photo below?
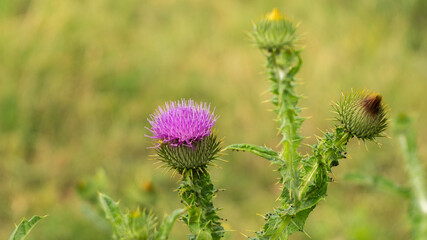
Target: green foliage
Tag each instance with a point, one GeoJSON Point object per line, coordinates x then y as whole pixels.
{"type": "Point", "coordinates": [418, 202]}
{"type": "Point", "coordinates": [167, 224]}
{"type": "Point", "coordinates": [197, 193]}
{"type": "Point", "coordinates": [136, 225]}
{"type": "Point", "coordinates": [72, 101]}
{"type": "Point", "coordinates": [88, 188]}
{"type": "Point", "coordinates": [24, 228]}
{"type": "Point", "coordinates": [304, 178]}
{"type": "Point", "coordinates": [415, 193]}
{"type": "Point", "coordinates": [264, 152]}
{"type": "Point", "coordinates": [379, 182]}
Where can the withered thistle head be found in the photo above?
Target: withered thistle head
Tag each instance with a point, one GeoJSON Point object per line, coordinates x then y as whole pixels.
{"type": "Point", "coordinates": [274, 32]}
{"type": "Point", "coordinates": [362, 114]}
{"type": "Point", "coordinates": [183, 134]}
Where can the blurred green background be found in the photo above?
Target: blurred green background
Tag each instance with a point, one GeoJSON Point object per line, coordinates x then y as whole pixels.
{"type": "Point", "coordinates": [78, 79]}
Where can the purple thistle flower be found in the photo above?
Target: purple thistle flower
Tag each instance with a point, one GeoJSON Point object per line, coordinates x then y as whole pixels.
{"type": "Point", "coordinates": [182, 122]}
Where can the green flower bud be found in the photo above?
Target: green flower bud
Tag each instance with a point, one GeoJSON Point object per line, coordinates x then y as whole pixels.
{"type": "Point", "coordinates": [194, 158]}
{"type": "Point", "coordinates": [362, 114]}
{"type": "Point", "coordinates": [274, 32]}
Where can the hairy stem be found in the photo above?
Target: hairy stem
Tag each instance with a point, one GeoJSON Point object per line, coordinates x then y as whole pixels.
{"type": "Point", "coordinates": [283, 65]}
{"type": "Point", "coordinates": [197, 193]}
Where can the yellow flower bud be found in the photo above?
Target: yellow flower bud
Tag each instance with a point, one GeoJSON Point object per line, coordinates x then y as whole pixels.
{"type": "Point", "coordinates": [274, 32]}
{"type": "Point", "coordinates": [275, 15]}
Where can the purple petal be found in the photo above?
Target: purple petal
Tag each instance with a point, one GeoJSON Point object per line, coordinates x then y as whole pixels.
{"type": "Point", "coordinates": [182, 122]}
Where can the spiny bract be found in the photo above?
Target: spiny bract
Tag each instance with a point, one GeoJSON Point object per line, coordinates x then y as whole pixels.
{"type": "Point", "coordinates": [195, 158]}
{"type": "Point", "coordinates": [274, 32]}
{"type": "Point", "coordinates": [362, 114]}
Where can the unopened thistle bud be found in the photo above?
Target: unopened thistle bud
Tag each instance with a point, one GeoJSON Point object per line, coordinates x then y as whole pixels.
{"type": "Point", "coordinates": [274, 32]}
{"type": "Point", "coordinates": [362, 114]}
{"type": "Point", "coordinates": [183, 133]}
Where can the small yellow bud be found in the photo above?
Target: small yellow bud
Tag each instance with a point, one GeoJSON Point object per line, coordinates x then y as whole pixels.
{"type": "Point", "coordinates": [275, 15]}
{"type": "Point", "coordinates": [275, 31]}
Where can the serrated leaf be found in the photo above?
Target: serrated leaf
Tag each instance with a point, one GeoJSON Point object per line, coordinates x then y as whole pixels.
{"type": "Point", "coordinates": [167, 224]}
{"type": "Point", "coordinates": [22, 230]}
{"type": "Point", "coordinates": [113, 214]}
{"type": "Point", "coordinates": [264, 152]}
{"type": "Point", "coordinates": [281, 226]}
{"type": "Point", "coordinates": [131, 225]}
{"type": "Point", "coordinates": [297, 223]}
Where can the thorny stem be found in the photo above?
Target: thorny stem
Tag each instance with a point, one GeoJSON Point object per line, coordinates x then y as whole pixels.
{"type": "Point", "coordinates": [327, 152]}
{"type": "Point", "coordinates": [286, 100]}
{"type": "Point", "coordinates": [197, 193]}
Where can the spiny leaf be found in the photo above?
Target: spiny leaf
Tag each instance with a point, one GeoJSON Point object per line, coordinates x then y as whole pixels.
{"type": "Point", "coordinates": [113, 214]}
{"type": "Point", "coordinates": [264, 152]}
{"type": "Point", "coordinates": [132, 225]}
{"type": "Point", "coordinates": [22, 230]}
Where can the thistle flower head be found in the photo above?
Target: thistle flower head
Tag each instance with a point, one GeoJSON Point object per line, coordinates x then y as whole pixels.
{"type": "Point", "coordinates": [362, 114]}
{"type": "Point", "coordinates": [184, 134]}
{"type": "Point", "coordinates": [274, 32]}
{"type": "Point", "coordinates": [182, 122]}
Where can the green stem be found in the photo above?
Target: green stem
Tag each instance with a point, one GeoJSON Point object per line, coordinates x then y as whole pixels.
{"type": "Point", "coordinates": [327, 152]}
{"type": "Point", "coordinates": [418, 213]}
{"type": "Point", "coordinates": [286, 100]}
{"type": "Point", "coordinates": [283, 224]}
{"type": "Point", "coordinates": [197, 193]}
{"type": "Point", "coordinates": [415, 173]}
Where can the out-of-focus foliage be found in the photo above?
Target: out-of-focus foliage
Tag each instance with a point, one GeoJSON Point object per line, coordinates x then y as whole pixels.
{"type": "Point", "coordinates": [24, 228]}
{"type": "Point", "coordinates": [406, 136]}
{"type": "Point", "coordinates": [136, 225]}
{"type": "Point", "coordinates": [79, 78]}
{"type": "Point", "coordinates": [415, 193]}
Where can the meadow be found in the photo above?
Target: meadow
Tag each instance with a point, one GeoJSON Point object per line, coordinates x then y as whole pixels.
{"type": "Point", "coordinates": [78, 80]}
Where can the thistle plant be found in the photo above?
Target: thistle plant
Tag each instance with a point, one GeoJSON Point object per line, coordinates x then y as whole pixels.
{"type": "Point", "coordinates": [305, 178]}
{"type": "Point", "coordinates": [186, 144]}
